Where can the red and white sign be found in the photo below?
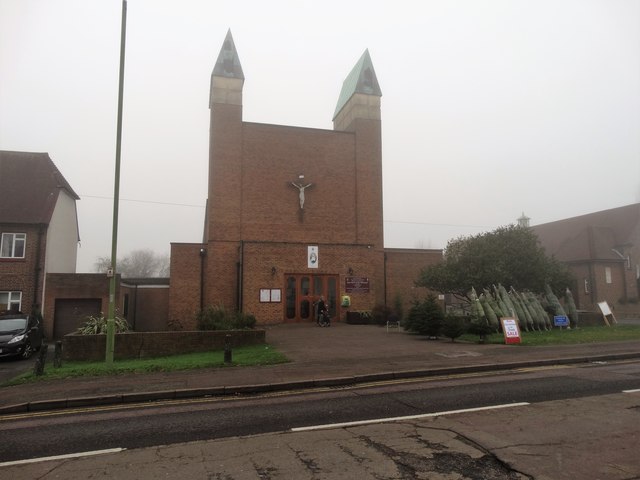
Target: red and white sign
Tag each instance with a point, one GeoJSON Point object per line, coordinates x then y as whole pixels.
{"type": "Point", "coordinates": [511, 330]}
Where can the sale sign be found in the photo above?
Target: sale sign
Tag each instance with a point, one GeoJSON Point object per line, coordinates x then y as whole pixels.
{"type": "Point", "coordinates": [511, 330]}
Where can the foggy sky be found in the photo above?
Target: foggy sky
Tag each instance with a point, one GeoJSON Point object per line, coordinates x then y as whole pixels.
{"type": "Point", "coordinates": [490, 108]}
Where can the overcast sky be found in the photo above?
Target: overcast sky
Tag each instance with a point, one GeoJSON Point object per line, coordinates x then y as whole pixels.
{"type": "Point", "coordinates": [490, 108]}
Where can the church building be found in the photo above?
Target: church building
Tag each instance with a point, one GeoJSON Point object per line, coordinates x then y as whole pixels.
{"type": "Point", "coordinates": [293, 213]}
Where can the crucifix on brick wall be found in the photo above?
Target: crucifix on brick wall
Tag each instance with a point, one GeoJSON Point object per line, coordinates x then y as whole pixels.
{"type": "Point", "coordinates": [301, 188]}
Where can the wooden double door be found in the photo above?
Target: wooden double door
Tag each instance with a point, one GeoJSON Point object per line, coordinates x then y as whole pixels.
{"type": "Point", "coordinates": [302, 291]}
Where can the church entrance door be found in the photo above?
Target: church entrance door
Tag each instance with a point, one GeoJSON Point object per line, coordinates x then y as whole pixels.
{"type": "Point", "coordinates": [304, 290]}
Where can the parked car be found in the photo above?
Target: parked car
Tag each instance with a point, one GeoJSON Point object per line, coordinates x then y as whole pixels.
{"type": "Point", "coordinates": [20, 335]}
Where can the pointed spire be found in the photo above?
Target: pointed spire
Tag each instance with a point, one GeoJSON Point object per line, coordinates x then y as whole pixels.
{"type": "Point", "coordinates": [361, 79]}
{"type": "Point", "coordinates": [228, 63]}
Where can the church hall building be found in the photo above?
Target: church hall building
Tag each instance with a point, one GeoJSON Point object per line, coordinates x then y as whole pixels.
{"type": "Point", "coordinates": [293, 213]}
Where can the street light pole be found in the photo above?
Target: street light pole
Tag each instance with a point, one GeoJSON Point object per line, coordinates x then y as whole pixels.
{"type": "Point", "coordinates": [116, 199]}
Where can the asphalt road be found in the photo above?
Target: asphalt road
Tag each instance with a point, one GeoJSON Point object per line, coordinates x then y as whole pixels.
{"type": "Point", "coordinates": [55, 433]}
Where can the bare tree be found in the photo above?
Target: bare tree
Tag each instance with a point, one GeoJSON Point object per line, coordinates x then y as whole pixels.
{"type": "Point", "coordinates": [137, 264]}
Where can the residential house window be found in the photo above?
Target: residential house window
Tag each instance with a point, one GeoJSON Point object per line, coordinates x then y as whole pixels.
{"type": "Point", "coordinates": [13, 245]}
{"type": "Point", "coordinates": [587, 288]}
{"type": "Point", "coordinates": [607, 274]}
{"type": "Point", "coordinates": [10, 301]}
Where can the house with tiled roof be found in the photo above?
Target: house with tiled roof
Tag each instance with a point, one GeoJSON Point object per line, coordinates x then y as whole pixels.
{"type": "Point", "coordinates": [38, 228]}
{"type": "Point", "coordinates": [602, 249]}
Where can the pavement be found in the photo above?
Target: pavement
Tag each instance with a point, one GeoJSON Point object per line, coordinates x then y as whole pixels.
{"type": "Point", "coordinates": [336, 356]}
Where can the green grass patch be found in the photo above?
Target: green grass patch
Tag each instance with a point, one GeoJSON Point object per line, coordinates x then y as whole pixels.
{"type": "Point", "coordinates": [241, 356]}
{"type": "Point", "coordinates": [565, 337]}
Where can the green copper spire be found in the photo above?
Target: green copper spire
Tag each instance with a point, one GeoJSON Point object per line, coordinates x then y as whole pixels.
{"type": "Point", "coordinates": [362, 79]}
{"type": "Point", "coordinates": [228, 63]}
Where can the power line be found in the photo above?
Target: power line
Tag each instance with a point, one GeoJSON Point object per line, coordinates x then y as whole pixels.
{"type": "Point", "coordinates": [202, 206]}
{"type": "Point", "coordinates": [144, 201]}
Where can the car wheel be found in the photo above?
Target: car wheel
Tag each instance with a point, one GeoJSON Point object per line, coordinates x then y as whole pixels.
{"type": "Point", "coordinates": [27, 352]}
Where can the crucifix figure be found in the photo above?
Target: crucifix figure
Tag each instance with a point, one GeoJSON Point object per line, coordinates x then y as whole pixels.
{"type": "Point", "coordinates": [302, 188]}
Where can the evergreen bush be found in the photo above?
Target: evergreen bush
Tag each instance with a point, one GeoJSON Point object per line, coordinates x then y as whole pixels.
{"type": "Point", "coordinates": [454, 327]}
{"type": "Point", "coordinates": [425, 318]}
{"type": "Point", "coordinates": [480, 327]}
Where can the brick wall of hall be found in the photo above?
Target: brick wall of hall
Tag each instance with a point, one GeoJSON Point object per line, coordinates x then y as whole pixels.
{"type": "Point", "coordinates": [185, 285]}
{"type": "Point", "coordinates": [403, 269]}
{"type": "Point", "coordinates": [291, 259]}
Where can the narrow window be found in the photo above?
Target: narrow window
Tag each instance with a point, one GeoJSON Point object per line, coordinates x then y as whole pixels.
{"type": "Point", "coordinates": [607, 274]}
{"type": "Point", "coordinates": [332, 295]}
{"type": "Point", "coordinates": [291, 298]}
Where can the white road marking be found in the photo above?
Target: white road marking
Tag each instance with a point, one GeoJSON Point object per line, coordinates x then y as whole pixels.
{"type": "Point", "coordinates": [62, 457]}
{"type": "Point", "coordinates": [410, 417]}
{"type": "Point", "coordinates": [631, 391]}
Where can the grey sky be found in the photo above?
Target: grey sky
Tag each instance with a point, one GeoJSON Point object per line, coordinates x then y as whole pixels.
{"type": "Point", "coordinates": [489, 108]}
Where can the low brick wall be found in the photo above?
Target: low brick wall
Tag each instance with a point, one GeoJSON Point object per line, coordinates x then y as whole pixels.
{"type": "Point", "coordinates": [156, 344]}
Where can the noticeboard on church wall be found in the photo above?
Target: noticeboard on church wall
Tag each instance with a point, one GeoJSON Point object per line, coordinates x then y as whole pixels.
{"type": "Point", "coordinates": [270, 295]}
{"type": "Point", "coordinates": [356, 285]}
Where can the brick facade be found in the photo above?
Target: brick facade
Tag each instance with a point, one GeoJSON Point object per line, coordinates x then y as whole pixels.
{"type": "Point", "coordinates": [186, 284]}
{"type": "Point", "coordinates": [26, 275]}
{"type": "Point", "coordinates": [145, 303]}
{"type": "Point", "coordinates": [259, 225]}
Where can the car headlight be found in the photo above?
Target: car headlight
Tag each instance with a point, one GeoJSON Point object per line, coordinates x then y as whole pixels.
{"type": "Point", "coordinates": [17, 338]}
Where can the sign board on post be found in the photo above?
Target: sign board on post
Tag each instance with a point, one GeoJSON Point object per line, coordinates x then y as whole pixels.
{"type": "Point", "coordinates": [560, 321]}
{"type": "Point", "coordinates": [511, 330]}
{"type": "Point", "coordinates": [607, 313]}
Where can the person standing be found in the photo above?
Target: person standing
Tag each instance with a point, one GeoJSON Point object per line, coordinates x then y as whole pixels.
{"type": "Point", "coordinates": [321, 307]}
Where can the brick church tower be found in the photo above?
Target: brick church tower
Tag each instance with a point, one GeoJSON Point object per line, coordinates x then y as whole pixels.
{"type": "Point", "coordinates": [293, 213]}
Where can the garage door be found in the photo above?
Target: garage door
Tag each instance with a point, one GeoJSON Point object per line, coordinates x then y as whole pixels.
{"type": "Point", "coordinates": [71, 313]}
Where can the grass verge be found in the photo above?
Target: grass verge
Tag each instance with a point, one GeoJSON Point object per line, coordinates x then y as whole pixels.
{"type": "Point", "coordinates": [565, 336]}
{"type": "Point", "coordinates": [241, 356]}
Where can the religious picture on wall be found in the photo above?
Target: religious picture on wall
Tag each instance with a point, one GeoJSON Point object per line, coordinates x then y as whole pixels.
{"type": "Point", "coordinates": [312, 257]}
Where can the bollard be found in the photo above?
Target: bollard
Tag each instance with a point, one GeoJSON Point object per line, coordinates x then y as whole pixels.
{"type": "Point", "coordinates": [38, 368]}
{"type": "Point", "coordinates": [227, 349]}
{"type": "Point", "coordinates": [57, 355]}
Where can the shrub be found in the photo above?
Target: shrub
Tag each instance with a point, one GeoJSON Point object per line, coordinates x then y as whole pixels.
{"type": "Point", "coordinates": [97, 325]}
{"type": "Point", "coordinates": [359, 318]}
{"type": "Point", "coordinates": [216, 317]}
{"type": "Point", "coordinates": [480, 327]}
{"type": "Point", "coordinates": [425, 318]}
{"type": "Point", "coordinates": [380, 314]}
{"type": "Point", "coordinates": [454, 326]}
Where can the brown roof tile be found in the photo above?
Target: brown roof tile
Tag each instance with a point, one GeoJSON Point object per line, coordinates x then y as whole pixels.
{"type": "Point", "coordinates": [29, 187]}
{"type": "Point", "coordinates": [591, 236]}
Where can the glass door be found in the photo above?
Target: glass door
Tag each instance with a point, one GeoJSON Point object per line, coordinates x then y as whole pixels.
{"type": "Point", "coordinates": [302, 293]}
